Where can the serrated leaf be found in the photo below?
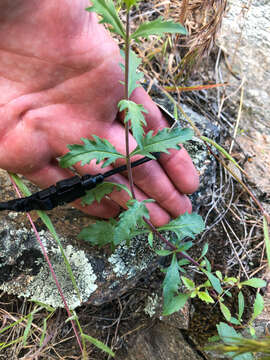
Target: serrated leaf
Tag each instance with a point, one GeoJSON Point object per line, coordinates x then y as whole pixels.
{"type": "Point", "coordinates": [214, 281]}
{"type": "Point", "coordinates": [241, 305]}
{"type": "Point", "coordinates": [100, 233]}
{"type": "Point", "coordinates": [99, 149]}
{"type": "Point", "coordinates": [225, 311]}
{"type": "Point", "coordinates": [98, 343]}
{"type": "Point", "coordinates": [134, 114]}
{"type": "Point", "coordinates": [101, 190]}
{"type": "Point", "coordinates": [171, 282]}
{"type": "Point", "coordinates": [189, 284]}
{"type": "Point", "coordinates": [254, 282]}
{"type": "Point", "coordinates": [109, 15]}
{"type": "Point", "coordinates": [165, 139]}
{"type": "Point", "coordinates": [134, 76]}
{"type": "Point", "coordinates": [258, 306]}
{"type": "Point", "coordinates": [129, 220]}
{"type": "Point", "coordinates": [176, 304]}
{"type": "Point", "coordinates": [204, 296]}
{"type": "Point", "coordinates": [185, 225]}
{"type": "Point", "coordinates": [158, 27]}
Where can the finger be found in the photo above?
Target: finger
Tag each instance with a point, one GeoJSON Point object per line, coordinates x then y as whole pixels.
{"type": "Point", "coordinates": [178, 164]}
{"type": "Point", "coordinates": [157, 214]}
{"type": "Point", "coordinates": [50, 174]}
{"type": "Point", "coordinates": [150, 178]}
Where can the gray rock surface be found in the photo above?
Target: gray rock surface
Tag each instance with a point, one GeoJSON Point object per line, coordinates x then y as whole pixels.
{"type": "Point", "coordinates": [246, 38]}
{"type": "Point", "coordinates": [160, 342]}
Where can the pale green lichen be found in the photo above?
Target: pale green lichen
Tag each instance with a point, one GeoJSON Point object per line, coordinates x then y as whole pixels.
{"type": "Point", "coordinates": [42, 287]}
{"type": "Point", "coordinates": [129, 260]}
{"type": "Point", "coordinates": [152, 304]}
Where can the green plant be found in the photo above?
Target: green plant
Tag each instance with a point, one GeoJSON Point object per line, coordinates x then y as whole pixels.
{"type": "Point", "coordinates": [136, 218]}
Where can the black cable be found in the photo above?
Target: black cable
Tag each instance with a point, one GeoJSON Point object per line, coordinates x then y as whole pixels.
{"type": "Point", "coordinates": [64, 191]}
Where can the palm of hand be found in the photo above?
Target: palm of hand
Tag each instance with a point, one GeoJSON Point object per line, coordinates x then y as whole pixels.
{"type": "Point", "coordinates": [66, 86]}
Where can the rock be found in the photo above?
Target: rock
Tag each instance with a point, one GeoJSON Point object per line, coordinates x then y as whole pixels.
{"type": "Point", "coordinates": [245, 36]}
{"type": "Point", "coordinates": [160, 342]}
{"type": "Point", "coordinates": [154, 309]}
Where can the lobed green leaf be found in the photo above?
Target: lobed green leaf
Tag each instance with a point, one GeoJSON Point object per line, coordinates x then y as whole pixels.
{"type": "Point", "coordinates": [107, 10]}
{"type": "Point", "coordinates": [158, 27]}
{"type": "Point", "coordinates": [165, 139]}
{"type": "Point", "coordinates": [129, 220]}
{"type": "Point", "coordinates": [100, 233]}
{"type": "Point", "coordinates": [134, 114]}
{"type": "Point", "coordinates": [134, 76]}
{"type": "Point", "coordinates": [186, 225]}
{"type": "Point", "coordinates": [101, 190]}
{"type": "Point", "coordinates": [98, 149]}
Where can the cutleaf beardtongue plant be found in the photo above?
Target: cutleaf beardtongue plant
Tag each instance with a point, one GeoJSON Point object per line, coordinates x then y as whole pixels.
{"type": "Point", "coordinates": [136, 218]}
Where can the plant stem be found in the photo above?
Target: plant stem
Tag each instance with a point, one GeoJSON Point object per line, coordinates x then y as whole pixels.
{"type": "Point", "coordinates": [44, 252]}
{"type": "Point", "coordinates": [127, 44]}
{"type": "Point", "coordinates": [168, 243]}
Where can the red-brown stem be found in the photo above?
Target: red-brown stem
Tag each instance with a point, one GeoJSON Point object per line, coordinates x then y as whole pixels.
{"type": "Point", "coordinates": [51, 269]}
{"type": "Point", "coordinates": [170, 245]}
{"type": "Point", "coordinates": [130, 178]}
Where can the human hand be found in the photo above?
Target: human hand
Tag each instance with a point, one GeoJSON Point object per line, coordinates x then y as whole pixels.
{"type": "Point", "coordinates": [59, 81]}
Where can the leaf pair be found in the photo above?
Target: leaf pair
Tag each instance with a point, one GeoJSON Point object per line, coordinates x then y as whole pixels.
{"type": "Point", "coordinates": [106, 232]}
{"type": "Point", "coordinates": [109, 15]}
{"type": "Point", "coordinates": [102, 150]}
